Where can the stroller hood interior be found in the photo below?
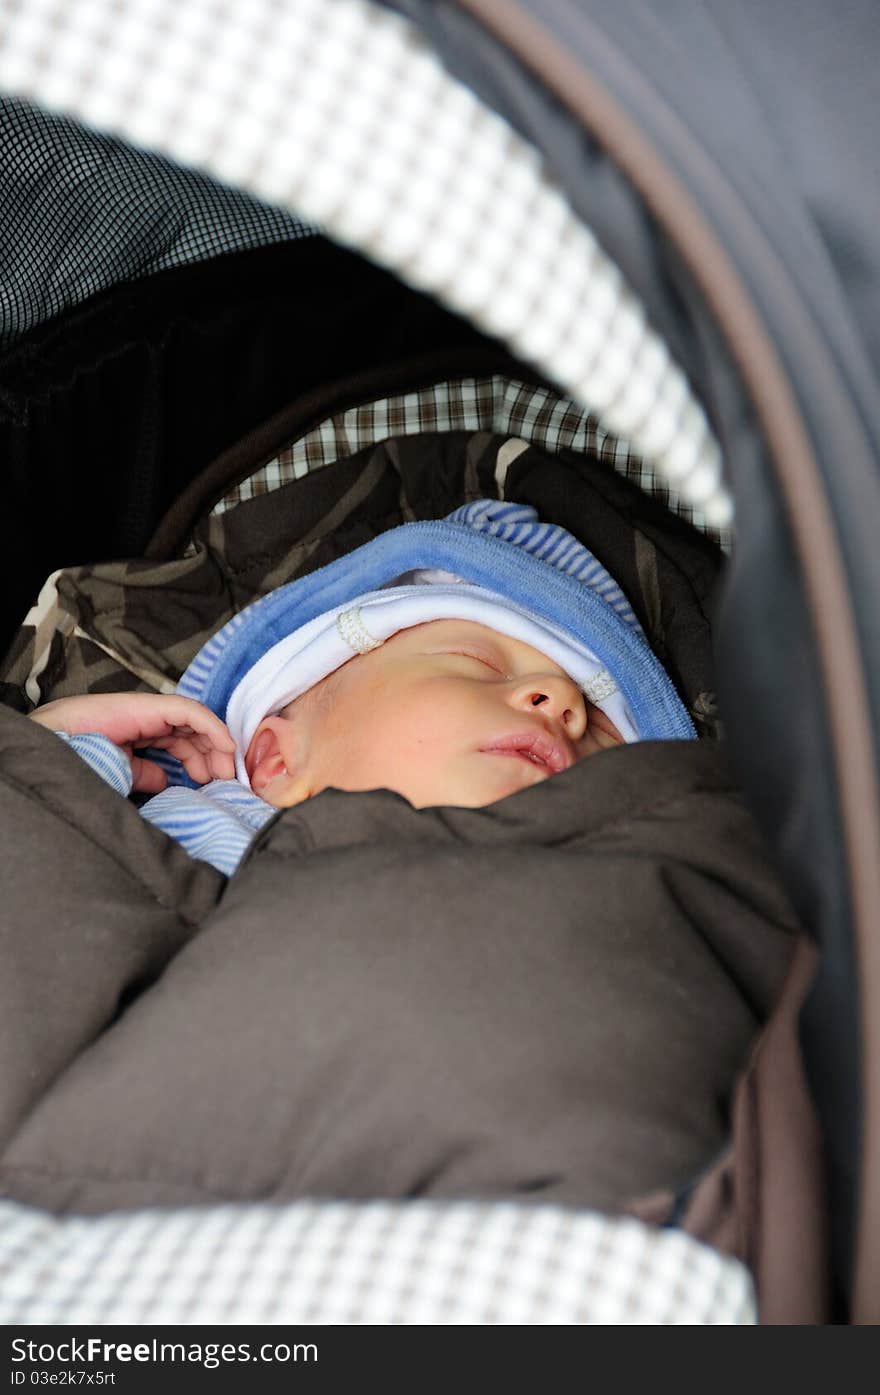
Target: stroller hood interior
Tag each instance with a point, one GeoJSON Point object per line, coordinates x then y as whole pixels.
{"type": "Point", "coordinates": [666, 215]}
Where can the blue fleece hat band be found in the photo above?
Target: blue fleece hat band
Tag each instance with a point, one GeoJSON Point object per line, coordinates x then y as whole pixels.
{"type": "Point", "coordinates": [539, 568]}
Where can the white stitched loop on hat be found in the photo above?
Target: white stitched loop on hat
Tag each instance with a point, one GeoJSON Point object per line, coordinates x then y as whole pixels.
{"type": "Point", "coordinates": [354, 632]}
{"type": "Point", "coordinates": [600, 687]}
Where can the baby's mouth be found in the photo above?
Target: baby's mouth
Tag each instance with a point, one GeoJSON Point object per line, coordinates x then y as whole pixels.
{"type": "Point", "coordinates": [539, 748]}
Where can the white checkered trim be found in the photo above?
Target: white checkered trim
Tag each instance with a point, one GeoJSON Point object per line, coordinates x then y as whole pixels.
{"type": "Point", "coordinates": [337, 110]}
{"type": "Point", "coordinates": [369, 1262]}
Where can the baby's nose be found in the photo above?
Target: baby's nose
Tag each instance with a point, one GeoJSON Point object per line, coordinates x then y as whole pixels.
{"type": "Point", "coordinates": [556, 697]}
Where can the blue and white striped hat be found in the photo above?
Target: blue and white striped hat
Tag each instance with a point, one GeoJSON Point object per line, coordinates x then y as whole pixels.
{"type": "Point", "coordinates": [489, 561]}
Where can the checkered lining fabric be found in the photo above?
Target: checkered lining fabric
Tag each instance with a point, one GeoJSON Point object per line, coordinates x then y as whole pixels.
{"type": "Point", "coordinates": [345, 119]}
{"type": "Point", "coordinates": [340, 113]}
{"type": "Point", "coordinates": [371, 1262]}
{"type": "Point", "coordinates": [82, 212]}
{"type": "Point", "coordinates": [494, 404]}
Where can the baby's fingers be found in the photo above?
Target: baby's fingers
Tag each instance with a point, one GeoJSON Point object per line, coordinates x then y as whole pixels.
{"type": "Point", "coordinates": [221, 762]}
{"type": "Point", "coordinates": [185, 714]}
{"type": "Point", "coordinates": [222, 765]}
{"type": "Point", "coordinates": [200, 765]}
{"type": "Point", "coordinates": [195, 762]}
{"type": "Point", "coordinates": [187, 746]}
{"type": "Point", "coordinates": [146, 776]}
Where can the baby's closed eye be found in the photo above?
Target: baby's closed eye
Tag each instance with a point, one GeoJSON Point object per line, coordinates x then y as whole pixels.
{"type": "Point", "coordinates": [478, 658]}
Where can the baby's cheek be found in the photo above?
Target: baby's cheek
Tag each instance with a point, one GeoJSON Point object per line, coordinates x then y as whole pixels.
{"type": "Point", "coordinates": [403, 759]}
{"type": "Point", "coordinates": [602, 725]}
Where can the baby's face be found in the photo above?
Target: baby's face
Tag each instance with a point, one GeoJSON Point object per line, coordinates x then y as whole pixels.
{"type": "Point", "coordinates": [446, 713]}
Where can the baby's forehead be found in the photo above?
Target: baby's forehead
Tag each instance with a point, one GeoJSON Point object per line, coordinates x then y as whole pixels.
{"type": "Point", "coordinates": [452, 623]}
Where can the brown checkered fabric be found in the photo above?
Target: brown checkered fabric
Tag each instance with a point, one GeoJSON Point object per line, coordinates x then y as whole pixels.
{"type": "Point", "coordinates": [495, 404]}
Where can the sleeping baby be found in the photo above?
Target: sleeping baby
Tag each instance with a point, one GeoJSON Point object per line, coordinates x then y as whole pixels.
{"type": "Point", "coordinates": [454, 662]}
{"type": "Point", "coordinates": [543, 994]}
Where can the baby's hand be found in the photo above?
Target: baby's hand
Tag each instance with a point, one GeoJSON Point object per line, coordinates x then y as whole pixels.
{"type": "Point", "coordinates": [180, 725]}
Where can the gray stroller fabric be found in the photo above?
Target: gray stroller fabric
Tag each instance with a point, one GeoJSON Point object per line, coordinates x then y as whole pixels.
{"type": "Point", "coordinates": [82, 212]}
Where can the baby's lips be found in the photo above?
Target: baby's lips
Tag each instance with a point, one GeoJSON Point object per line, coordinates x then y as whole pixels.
{"type": "Point", "coordinates": [555, 753]}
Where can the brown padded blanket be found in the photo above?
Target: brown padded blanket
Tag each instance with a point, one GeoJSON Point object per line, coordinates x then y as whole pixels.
{"type": "Point", "coordinates": [549, 998]}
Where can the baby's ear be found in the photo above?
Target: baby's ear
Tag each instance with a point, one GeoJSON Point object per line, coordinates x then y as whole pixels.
{"type": "Point", "coordinates": [266, 757]}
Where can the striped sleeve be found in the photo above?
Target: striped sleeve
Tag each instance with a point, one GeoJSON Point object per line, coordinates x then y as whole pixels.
{"type": "Point", "coordinates": [215, 823]}
{"type": "Point", "coordinates": [104, 757]}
